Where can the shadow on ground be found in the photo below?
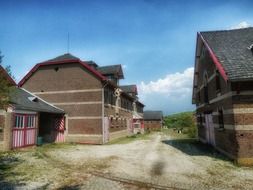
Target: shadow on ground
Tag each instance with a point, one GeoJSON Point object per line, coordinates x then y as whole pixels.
{"type": "Point", "coordinates": [7, 163]}
{"type": "Point", "coordinates": [157, 168]}
{"type": "Point", "coordinates": [193, 147]}
{"type": "Point", "coordinates": [70, 187]}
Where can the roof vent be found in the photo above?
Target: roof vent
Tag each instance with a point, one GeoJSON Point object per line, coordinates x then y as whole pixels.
{"type": "Point", "coordinates": [33, 99]}
{"type": "Point", "coordinates": [251, 48]}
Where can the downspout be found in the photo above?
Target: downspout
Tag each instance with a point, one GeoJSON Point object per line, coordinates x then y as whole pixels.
{"type": "Point", "coordinates": [103, 112]}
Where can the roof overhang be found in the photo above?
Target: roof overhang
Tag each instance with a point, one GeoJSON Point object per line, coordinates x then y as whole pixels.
{"type": "Point", "coordinates": [200, 43]}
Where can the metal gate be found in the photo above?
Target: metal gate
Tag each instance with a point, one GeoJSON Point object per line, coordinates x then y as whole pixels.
{"type": "Point", "coordinates": [24, 130]}
{"type": "Point", "coordinates": [59, 129]}
{"type": "Point", "coordinates": [210, 137]}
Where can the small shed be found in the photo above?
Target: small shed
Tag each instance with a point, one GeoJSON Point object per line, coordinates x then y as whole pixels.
{"type": "Point", "coordinates": [28, 117]}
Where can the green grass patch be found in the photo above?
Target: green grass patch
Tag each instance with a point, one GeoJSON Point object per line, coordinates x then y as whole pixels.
{"type": "Point", "coordinates": [174, 134]}
{"type": "Point", "coordinates": [129, 139]}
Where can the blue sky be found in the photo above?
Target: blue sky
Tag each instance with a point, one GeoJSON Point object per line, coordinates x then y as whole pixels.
{"type": "Point", "coordinates": [154, 40]}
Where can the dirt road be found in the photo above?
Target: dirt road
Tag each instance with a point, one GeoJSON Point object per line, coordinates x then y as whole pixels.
{"type": "Point", "coordinates": [161, 162]}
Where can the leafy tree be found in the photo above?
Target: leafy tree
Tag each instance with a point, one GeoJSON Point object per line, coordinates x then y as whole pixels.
{"type": "Point", "coordinates": [5, 86]}
{"type": "Point", "coordinates": [185, 120]}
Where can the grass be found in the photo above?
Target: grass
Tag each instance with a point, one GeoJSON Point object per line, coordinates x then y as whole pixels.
{"type": "Point", "coordinates": [174, 134]}
{"type": "Point", "coordinates": [129, 139]}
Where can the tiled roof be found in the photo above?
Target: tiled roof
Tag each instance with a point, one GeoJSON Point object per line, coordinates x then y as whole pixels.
{"type": "Point", "coordinates": [231, 47]}
{"type": "Point", "coordinates": [129, 88]}
{"type": "Point", "coordinates": [66, 56]}
{"type": "Point", "coordinates": [24, 100]}
{"type": "Point", "coordinates": [111, 70]}
{"type": "Point", "coordinates": [153, 115]}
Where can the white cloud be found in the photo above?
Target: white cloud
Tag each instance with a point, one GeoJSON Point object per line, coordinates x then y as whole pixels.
{"type": "Point", "coordinates": [176, 85]}
{"type": "Point", "coordinates": [242, 24]}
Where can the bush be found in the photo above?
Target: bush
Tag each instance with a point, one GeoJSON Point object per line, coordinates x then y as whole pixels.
{"type": "Point", "coordinates": [185, 120]}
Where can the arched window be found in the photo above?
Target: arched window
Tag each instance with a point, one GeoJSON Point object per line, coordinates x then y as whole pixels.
{"type": "Point", "coordinates": [220, 118]}
{"type": "Point", "coordinates": [217, 80]}
{"type": "Point", "coordinates": [206, 98]}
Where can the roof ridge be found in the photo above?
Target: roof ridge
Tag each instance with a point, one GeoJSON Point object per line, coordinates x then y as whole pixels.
{"type": "Point", "coordinates": [226, 30]}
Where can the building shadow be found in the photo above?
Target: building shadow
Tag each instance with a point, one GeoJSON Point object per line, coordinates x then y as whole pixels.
{"type": "Point", "coordinates": [70, 187]}
{"type": "Point", "coordinates": [7, 163]}
{"type": "Point", "coordinates": [193, 147]}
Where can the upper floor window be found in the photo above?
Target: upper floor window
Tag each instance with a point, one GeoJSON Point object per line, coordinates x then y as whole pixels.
{"type": "Point", "coordinates": [217, 80]}
{"type": "Point", "coordinates": [206, 98]}
{"type": "Point", "coordinates": [220, 118]}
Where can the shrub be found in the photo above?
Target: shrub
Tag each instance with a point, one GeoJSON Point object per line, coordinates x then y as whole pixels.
{"type": "Point", "coordinates": [185, 120]}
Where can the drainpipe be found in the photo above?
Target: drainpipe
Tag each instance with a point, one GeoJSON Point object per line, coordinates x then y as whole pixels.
{"type": "Point", "coordinates": [103, 112]}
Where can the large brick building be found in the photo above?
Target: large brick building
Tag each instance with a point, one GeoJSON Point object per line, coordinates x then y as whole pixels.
{"type": "Point", "coordinates": [223, 91]}
{"type": "Point", "coordinates": [97, 110]}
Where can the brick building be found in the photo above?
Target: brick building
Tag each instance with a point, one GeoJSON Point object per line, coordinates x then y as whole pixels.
{"type": "Point", "coordinates": [223, 91]}
{"type": "Point", "coordinates": [138, 122]}
{"type": "Point", "coordinates": [153, 120]}
{"type": "Point", "coordinates": [97, 110]}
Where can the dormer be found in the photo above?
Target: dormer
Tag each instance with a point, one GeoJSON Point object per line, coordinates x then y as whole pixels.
{"type": "Point", "coordinates": [113, 72]}
{"type": "Point", "coordinates": [130, 89]}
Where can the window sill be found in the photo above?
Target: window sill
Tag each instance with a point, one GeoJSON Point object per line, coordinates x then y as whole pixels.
{"type": "Point", "coordinates": [221, 129]}
{"type": "Point", "coordinates": [218, 93]}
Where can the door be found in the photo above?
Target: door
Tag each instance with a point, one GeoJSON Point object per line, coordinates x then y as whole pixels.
{"type": "Point", "coordinates": [24, 130]}
{"type": "Point", "coordinates": [106, 130]}
{"type": "Point", "coordinates": [210, 136]}
{"type": "Point", "coordinates": [129, 126]}
{"type": "Point", "coordinates": [59, 129]}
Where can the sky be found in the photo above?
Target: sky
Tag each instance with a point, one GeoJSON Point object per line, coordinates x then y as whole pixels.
{"type": "Point", "coordinates": [153, 40]}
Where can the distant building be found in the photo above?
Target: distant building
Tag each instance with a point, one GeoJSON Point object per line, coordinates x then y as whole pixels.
{"type": "Point", "coordinates": [223, 91]}
{"type": "Point", "coordinates": [138, 122]}
{"type": "Point", "coordinates": [153, 120]}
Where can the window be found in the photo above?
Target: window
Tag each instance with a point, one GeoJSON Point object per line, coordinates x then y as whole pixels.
{"type": "Point", "coordinates": [19, 121]}
{"type": "Point", "coordinates": [22, 121]}
{"type": "Point", "coordinates": [199, 96]}
{"type": "Point", "coordinates": [206, 98]}
{"type": "Point", "coordinates": [206, 93]}
{"type": "Point", "coordinates": [220, 118]}
{"type": "Point", "coordinates": [217, 80]}
{"type": "Point", "coordinates": [200, 120]}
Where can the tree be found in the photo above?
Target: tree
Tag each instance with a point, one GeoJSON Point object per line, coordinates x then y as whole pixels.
{"type": "Point", "coordinates": [5, 86]}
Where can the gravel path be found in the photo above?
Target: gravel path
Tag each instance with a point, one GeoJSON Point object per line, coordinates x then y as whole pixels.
{"type": "Point", "coordinates": [159, 163]}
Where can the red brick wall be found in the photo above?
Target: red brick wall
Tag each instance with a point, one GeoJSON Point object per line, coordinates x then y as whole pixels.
{"type": "Point", "coordinates": [85, 126]}
{"type": "Point", "coordinates": [152, 125]}
{"type": "Point", "coordinates": [68, 77]}
{"type": "Point", "coordinates": [117, 123]}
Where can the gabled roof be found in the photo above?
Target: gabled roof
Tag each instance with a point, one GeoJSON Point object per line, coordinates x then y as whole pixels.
{"type": "Point", "coordinates": [4, 73]}
{"type": "Point", "coordinates": [21, 99]}
{"type": "Point", "coordinates": [129, 89]}
{"type": "Point", "coordinates": [231, 48]}
{"type": "Point", "coordinates": [138, 102]}
{"type": "Point", "coordinates": [63, 59]}
{"type": "Point", "coordinates": [111, 70]}
{"type": "Point", "coordinates": [66, 56]}
{"type": "Point", "coordinates": [153, 115]}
